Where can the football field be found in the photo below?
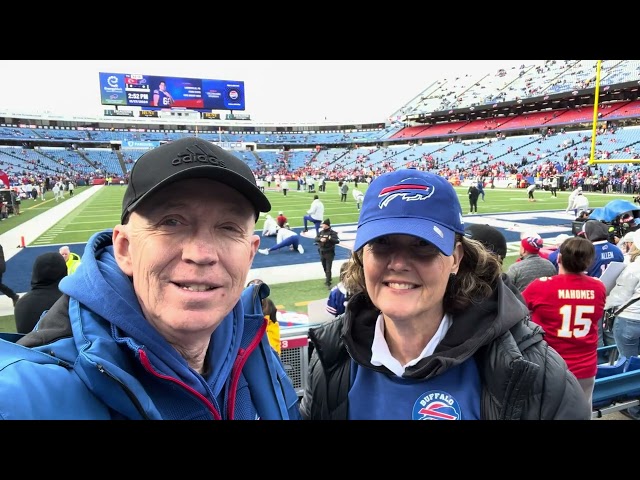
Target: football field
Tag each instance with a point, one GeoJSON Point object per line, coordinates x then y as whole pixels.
{"type": "Point", "coordinates": [295, 279]}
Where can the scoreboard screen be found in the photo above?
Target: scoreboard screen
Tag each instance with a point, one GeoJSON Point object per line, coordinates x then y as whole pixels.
{"type": "Point", "coordinates": [135, 90]}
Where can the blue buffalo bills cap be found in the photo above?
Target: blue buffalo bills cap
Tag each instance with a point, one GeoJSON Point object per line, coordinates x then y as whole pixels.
{"type": "Point", "coordinates": [190, 157]}
{"type": "Point", "coordinates": [411, 202]}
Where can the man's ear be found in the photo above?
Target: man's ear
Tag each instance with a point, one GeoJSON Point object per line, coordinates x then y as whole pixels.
{"type": "Point", "coordinates": [120, 239]}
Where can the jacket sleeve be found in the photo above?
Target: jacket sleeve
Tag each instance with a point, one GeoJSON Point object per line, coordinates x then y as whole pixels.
{"type": "Point", "coordinates": [333, 239]}
{"type": "Point", "coordinates": [307, 398]}
{"type": "Point", "coordinates": [624, 290]}
{"type": "Point", "coordinates": [333, 305]}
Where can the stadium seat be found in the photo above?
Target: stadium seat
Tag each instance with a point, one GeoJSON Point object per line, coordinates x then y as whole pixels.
{"type": "Point", "coordinates": [609, 370]}
{"type": "Point", "coordinates": [633, 364]}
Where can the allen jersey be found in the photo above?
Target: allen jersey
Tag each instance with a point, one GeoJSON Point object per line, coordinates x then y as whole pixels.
{"type": "Point", "coordinates": [606, 252]}
{"type": "Point", "coordinates": [568, 307]}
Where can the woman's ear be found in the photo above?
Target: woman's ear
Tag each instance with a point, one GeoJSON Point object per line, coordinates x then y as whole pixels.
{"type": "Point", "coordinates": [458, 253]}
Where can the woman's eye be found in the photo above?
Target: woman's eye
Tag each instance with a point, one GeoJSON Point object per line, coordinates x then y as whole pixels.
{"type": "Point", "coordinates": [381, 241]}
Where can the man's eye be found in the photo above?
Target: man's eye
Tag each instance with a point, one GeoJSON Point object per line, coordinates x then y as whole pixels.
{"type": "Point", "coordinates": [170, 222]}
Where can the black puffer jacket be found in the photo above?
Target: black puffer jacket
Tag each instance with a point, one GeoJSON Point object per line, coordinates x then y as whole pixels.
{"type": "Point", "coordinates": [522, 377]}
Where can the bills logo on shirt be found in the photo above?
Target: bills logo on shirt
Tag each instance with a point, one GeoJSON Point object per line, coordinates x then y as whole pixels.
{"type": "Point", "coordinates": [436, 405]}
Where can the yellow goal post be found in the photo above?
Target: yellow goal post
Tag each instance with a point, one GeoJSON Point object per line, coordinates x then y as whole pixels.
{"type": "Point", "coordinates": [594, 128]}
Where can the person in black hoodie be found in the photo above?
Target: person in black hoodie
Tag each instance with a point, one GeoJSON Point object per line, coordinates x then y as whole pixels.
{"type": "Point", "coordinates": [48, 269]}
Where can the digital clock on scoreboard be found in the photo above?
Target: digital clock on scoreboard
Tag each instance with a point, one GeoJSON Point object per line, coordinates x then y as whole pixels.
{"type": "Point", "coordinates": [137, 90]}
{"type": "Point", "coordinates": [138, 98]}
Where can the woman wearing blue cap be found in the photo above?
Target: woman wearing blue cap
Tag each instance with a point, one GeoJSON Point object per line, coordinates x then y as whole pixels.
{"type": "Point", "coordinates": [431, 331]}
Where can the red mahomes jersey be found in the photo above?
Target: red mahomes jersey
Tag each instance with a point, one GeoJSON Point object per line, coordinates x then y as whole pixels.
{"type": "Point", "coordinates": [568, 307]}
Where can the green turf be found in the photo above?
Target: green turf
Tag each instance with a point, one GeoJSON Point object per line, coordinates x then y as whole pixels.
{"type": "Point", "coordinates": [102, 210]}
{"type": "Point", "coordinates": [32, 208]}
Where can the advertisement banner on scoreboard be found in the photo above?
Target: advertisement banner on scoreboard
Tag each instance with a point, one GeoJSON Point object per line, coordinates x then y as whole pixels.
{"type": "Point", "coordinates": [149, 91]}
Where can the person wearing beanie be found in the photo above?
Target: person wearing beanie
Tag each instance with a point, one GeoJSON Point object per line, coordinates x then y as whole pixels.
{"type": "Point", "coordinates": [327, 239]}
{"type": "Point", "coordinates": [530, 265]}
{"type": "Point", "coordinates": [431, 332]}
{"type": "Point", "coordinates": [627, 246]}
{"type": "Point", "coordinates": [48, 269]}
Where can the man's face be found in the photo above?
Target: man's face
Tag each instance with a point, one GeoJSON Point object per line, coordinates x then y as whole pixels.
{"type": "Point", "coordinates": [64, 254]}
{"type": "Point", "coordinates": [188, 248]}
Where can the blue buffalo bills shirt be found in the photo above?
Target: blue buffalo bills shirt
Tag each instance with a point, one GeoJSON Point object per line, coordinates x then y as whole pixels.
{"type": "Point", "coordinates": [453, 395]}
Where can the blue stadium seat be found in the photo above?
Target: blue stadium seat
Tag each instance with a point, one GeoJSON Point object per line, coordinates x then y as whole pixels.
{"type": "Point", "coordinates": [608, 370]}
{"type": "Point", "coordinates": [633, 364]}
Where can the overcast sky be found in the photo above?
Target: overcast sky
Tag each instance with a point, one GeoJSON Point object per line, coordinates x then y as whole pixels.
{"type": "Point", "coordinates": [288, 91]}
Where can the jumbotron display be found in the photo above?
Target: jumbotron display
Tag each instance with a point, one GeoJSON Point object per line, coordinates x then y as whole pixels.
{"type": "Point", "coordinates": [151, 92]}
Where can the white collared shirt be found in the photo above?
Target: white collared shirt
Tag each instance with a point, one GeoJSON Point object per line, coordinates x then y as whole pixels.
{"type": "Point", "coordinates": [381, 356]}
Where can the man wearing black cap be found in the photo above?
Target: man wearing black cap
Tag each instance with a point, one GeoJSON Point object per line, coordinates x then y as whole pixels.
{"type": "Point", "coordinates": [490, 237]}
{"type": "Point", "coordinates": [606, 252]}
{"type": "Point", "coordinates": [157, 322]}
{"type": "Point", "coordinates": [327, 239]}
{"type": "Point", "coordinates": [494, 241]}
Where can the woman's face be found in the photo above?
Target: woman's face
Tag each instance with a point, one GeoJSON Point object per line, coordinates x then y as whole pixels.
{"type": "Point", "coordinates": [406, 277]}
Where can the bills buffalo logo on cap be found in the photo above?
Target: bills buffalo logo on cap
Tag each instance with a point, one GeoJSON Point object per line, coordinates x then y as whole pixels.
{"type": "Point", "coordinates": [411, 202]}
{"type": "Point", "coordinates": [410, 189]}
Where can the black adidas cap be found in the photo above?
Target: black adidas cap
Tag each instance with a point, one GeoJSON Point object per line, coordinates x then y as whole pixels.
{"type": "Point", "coordinates": [190, 157]}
